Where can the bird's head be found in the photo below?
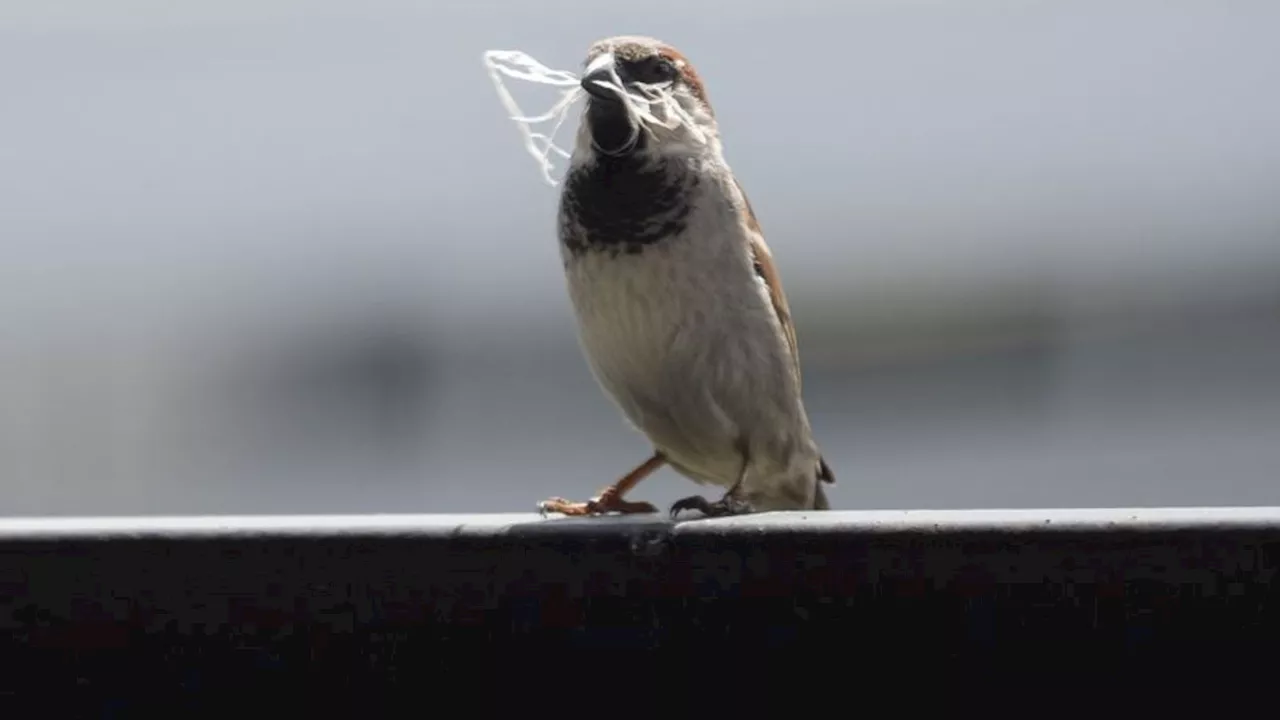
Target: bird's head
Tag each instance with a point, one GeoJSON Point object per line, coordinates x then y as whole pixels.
{"type": "Point", "coordinates": [643, 96]}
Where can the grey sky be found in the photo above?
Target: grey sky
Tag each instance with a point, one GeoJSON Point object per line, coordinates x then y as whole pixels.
{"type": "Point", "coordinates": [883, 142]}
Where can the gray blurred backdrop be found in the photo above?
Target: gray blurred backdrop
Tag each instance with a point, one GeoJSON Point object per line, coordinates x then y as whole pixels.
{"type": "Point", "coordinates": [266, 256]}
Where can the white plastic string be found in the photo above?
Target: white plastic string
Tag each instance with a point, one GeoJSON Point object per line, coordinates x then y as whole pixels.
{"type": "Point", "coordinates": [518, 65]}
{"type": "Point", "coordinates": [640, 104]}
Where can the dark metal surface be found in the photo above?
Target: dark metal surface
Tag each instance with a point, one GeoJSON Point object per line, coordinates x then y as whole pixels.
{"type": "Point", "coordinates": [128, 612]}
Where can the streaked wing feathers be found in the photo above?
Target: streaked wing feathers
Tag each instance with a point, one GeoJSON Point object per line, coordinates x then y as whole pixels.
{"type": "Point", "coordinates": [768, 272]}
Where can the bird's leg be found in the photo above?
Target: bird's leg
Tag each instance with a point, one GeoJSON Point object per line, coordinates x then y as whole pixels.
{"type": "Point", "coordinates": [728, 505]}
{"type": "Point", "coordinates": [610, 499]}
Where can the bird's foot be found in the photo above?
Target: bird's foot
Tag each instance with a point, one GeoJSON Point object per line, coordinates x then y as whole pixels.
{"type": "Point", "coordinates": [724, 507]}
{"type": "Point", "coordinates": [607, 502]}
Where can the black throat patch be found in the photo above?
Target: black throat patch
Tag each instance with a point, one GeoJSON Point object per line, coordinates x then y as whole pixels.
{"type": "Point", "coordinates": [622, 204]}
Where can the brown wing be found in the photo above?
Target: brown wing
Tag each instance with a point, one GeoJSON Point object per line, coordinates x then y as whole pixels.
{"type": "Point", "coordinates": [768, 272]}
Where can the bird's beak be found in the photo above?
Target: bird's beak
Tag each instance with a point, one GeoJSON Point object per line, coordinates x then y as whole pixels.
{"type": "Point", "coordinates": [603, 68]}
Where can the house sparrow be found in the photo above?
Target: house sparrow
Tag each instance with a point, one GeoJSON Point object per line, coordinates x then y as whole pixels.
{"type": "Point", "coordinates": [679, 308]}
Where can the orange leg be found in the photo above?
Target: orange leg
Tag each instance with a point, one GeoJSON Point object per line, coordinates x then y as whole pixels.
{"type": "Point", "coordinates": [611, 498]}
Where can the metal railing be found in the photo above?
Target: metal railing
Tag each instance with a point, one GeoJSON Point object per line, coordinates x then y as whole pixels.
{"type": "Point", "coordinates": [112, 608]}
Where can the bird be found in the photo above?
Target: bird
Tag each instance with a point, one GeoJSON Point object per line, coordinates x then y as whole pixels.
{"type": "Point", "coordinates": [679, 308]}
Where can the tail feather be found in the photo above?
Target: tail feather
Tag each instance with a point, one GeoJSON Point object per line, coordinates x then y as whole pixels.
{"type": "Point", "coordinates": [824, 472]}
{"type": "Point", "coordinates": [820, 501]}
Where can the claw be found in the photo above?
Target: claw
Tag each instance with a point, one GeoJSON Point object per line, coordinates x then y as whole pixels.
{"type": "Point", "coordinates": [546, 506]}
{"type": "Point", "coordinates": [724, 507]}
{"type": "Point", "coordinates": [606, 503]}
{"type": "Point", "coordinates": [693, 502]}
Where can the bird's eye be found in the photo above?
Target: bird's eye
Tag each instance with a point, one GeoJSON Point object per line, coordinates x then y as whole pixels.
{"type": "Point", "coordinates": [653, 69]}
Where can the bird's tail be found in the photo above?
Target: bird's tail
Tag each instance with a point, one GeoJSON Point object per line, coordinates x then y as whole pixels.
{"type": "Point", "coordinates": [820, 499]}
{"type": "Point", "coordinates": [825, 475]}
{"type": "Point", "coordinates": [824, 472]}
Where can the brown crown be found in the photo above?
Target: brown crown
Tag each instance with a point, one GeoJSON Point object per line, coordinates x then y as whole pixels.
{"type": "Point", "coordinates": [637, 47]}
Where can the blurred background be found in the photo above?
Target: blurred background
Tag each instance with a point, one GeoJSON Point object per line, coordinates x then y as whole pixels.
{"type": "Point", "coordinates": [287, 256]}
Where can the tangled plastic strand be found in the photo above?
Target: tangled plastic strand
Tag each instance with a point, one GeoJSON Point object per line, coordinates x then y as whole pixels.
{"type": "Point", "coordinates": [653, 94]}
{"type": "Point", "coordinates": [518, 65]}
{"type": "Point", "coordinates": [640, 104]}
